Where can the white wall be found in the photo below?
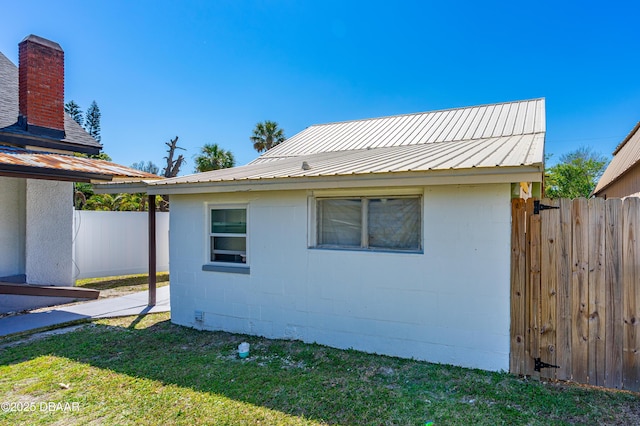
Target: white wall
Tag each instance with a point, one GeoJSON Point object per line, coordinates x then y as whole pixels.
{"type": "Point", "coordinates": [12, 220]}
{"type": "Point", "coordinates": [49, 218]}
{"type": "Point", "coordinates": [116, 243]}
{"type": "Point", "coordinates": [447, 305]}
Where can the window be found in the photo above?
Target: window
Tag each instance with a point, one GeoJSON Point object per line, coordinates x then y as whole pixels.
{"type": "Point", "coordinates": [228, 235]}
{"type": "Point", "coordinates": [370, 223]}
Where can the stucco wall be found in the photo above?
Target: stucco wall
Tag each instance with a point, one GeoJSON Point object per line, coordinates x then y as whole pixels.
{"type": "Point", "coordinates": [12, 220]}
{"type": "Point", "coordinates": [49, 218]}
{"type": "Point", "coordinates": [447, 305]}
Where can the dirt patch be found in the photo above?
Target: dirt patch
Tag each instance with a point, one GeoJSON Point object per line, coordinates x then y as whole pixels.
{"type": "Point", "coordinates": [42, 335]}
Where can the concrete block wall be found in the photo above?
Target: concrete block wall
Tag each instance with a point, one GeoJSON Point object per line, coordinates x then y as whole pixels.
{"type": "Point", "coordinates": [449, 304]}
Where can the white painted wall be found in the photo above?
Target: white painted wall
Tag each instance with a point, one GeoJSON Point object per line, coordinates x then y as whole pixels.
{"type": "Point", "coordinates": [116, 243]}
{"type": "Point", "coordinates": [12, 222]}
{"type": "Point", "coordinates": [447, 305]}
{"type": "Point", "coordinates": [49, 224]}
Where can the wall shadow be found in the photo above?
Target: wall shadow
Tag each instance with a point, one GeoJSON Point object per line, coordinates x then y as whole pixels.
{"type": "Point", "coordinates": [307, 377]}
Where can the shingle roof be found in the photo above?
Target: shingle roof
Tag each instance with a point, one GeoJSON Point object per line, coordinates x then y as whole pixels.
{"type": "Point", "coordinates": [507, 136]}
{"type": "Point", "coordinates": [625, 156]}
{"type": "Point", "coordinates": [76, 138]}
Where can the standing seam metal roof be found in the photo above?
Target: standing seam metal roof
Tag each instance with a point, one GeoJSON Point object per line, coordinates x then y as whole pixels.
{"type": "Point", "coordinates": [489, 136]}
{"type": "Point", "coordinates": [510, 151]}
{"type": "Point", "coordinates": [454, 125]}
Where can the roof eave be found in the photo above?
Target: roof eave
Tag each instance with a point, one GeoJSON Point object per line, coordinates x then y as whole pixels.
{"type": "Point", "coordinates": [627, 138]}
{"type": "Point", "coordinates": [432, 177]}
{"type": "Point", "coordinates": [29, 140]}
{"type": "Point", "coordinates": [115, 187]}
{"type": "Point", "coordinates": [18, 171]}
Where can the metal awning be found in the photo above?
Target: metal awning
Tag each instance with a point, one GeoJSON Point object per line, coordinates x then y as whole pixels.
{"type": "Point", "coordinates": [31, 164]}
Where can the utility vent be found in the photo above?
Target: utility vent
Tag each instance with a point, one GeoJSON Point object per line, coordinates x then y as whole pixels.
{"type": "Point", "coordinates": [199, 316]}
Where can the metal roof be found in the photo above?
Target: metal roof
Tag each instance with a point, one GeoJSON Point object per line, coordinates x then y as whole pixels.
{"type": "Point", "coordinates": [20, 162]}
{"type": "Point", "coordinates": [490, 143]}
{"type": "Point", "coordinates": [509, 151]}
{"type": "Point", "coordinates": [625, 156]}
{"type": "Point", "coordinates": [453, 125]}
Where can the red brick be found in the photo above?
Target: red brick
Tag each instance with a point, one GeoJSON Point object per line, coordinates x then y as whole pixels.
{"type": "Point", "coordinates": [41, 83]}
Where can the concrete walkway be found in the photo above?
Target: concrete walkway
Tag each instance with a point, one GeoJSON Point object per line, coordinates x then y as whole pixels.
{"type": "Point", "coordinates": [131, 304]}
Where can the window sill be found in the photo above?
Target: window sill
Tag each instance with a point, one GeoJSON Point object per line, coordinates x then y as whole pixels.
{"type": "Point", "coordinates": [241, 269]}
{"type": "Point", "coordinates": [365, 250]}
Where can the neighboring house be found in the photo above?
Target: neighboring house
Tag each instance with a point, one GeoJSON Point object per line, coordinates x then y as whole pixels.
{"type": "Point", "coordinates": [622, 176]}
{"type": "Point", "coordinates": [38, 166]}
{"type": "Point", "coordinates": [388, 235]}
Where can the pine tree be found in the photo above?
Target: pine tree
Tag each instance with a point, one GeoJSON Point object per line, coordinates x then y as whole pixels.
{"type": "Point", "coordinates": [92, 121]}
{"type": "Point", "coordinates": [73, 109]}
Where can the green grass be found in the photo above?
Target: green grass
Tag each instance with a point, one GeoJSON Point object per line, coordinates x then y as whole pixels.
{"type": "Point", "coordinates": [123, 284]}
{"type": "Point", "coordinates": [145, 370]}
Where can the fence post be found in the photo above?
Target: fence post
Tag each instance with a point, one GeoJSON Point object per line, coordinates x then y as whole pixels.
{"type": "Point", "coordinates": [518, 295]}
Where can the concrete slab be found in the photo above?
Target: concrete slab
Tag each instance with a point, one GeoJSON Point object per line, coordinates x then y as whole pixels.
{"type": "Point", "coordinates": [131, 304]}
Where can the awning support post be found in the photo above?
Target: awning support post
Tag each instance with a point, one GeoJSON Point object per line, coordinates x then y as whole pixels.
{"type": "Point", "coordinates": [152, 250]}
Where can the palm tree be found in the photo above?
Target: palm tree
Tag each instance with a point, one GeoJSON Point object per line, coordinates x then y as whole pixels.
{"type": "Point", "coordinates": [212, 157]}
{"type": "Point", "coordinates": [266, 135]}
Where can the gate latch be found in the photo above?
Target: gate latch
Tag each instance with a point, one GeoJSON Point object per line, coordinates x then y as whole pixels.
{"type": "Point", "coordinates": [541, 364]}
{"type": "Point", "coordinates": [537, 206]}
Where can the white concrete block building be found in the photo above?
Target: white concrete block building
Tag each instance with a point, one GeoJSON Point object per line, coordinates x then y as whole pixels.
{"type": "Point", "coordinates": [388, 235]}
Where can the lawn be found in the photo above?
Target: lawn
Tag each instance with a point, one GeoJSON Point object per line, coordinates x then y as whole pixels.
{"type": "Point", "coordinates": [145, 370]}
{"type": "Point", "coordinates": [122, 284]}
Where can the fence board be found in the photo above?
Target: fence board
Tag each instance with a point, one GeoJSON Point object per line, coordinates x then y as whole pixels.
{"type": "Point", "coordinates": [518, 295]}
{"type": "Point", "coordinates": [613, 284]}
{"type": "Point", "coordinates": [631, 295]}
{"type": "Point", "coordinates": [597, 306]}
{"type": "Point", "coordinates": [579, 291]}
{"type": "Point", "coordinates": [563, 299]}
{"type": "Point", "coordinates": [550, 230]}
{"type": "Point", "coordinates": [577, 301]}
{"type": "Point", "coordinates": [534, 287]}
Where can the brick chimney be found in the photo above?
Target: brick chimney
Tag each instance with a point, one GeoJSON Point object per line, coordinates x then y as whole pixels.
{"type": "Point", "coordinates": [41, 86]}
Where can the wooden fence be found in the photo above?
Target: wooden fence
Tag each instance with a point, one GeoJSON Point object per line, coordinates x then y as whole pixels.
{"type": "Point", "coordinates": [575, 290]}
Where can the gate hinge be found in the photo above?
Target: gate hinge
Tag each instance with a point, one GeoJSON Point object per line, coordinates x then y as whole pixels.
{"type": "Point", "coordinates": [537, 206]}
{"type": "Point", "coordinates": [541, 364]}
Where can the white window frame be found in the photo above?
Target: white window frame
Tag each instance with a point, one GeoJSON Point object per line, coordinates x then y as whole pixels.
{"type": "Point", "coordinates": [314, 228]}
{"type": "Point", "coordinates": [222, 266]}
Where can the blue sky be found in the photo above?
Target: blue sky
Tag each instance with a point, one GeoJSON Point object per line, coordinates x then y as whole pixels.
{"type": "Point", "coordinates": [208, 71]}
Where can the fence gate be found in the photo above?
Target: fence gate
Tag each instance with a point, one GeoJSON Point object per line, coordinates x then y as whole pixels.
{"type": "Point", "coordinates": [575, 290]}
